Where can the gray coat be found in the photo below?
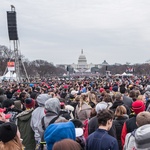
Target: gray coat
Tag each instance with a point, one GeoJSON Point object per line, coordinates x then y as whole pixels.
{"type": "Point", "coordinates": [138, 139]}
{"type": "Point", "coordinates": [52, 107]}
{"type": "Point", "coordinates": [38, 114]}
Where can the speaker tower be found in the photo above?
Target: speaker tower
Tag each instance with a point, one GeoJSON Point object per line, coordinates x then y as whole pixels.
{"type": "Point", "coordinates": [12, 25]}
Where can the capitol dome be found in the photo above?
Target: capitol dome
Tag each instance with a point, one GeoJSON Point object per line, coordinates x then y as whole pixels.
{"type": "Point", "coordinates": [82, 59]}
{"type": "Point", "coordinates": [82, 65]}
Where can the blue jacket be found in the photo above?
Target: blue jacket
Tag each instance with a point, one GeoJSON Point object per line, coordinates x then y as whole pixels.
{"type": "Point", "coordinates": [101, 140]}
{"type": "Point", "coordinates": [57, 132]}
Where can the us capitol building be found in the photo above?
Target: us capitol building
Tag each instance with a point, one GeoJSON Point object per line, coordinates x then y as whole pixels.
{"type": "Point", "coordinates": [82, 66]}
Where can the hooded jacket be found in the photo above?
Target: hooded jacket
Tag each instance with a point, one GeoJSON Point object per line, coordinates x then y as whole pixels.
{"type": "Point", "coordinates": [129, 141]}
{"type": "Point", "coordinates": [119, 103]}
{"type": "Point", "coordinates": [38, 114]}
{"type": "Point", "coordinates": [138, 139]}
{"type": "Point", "coordinates": [58, 131]}
{"type": "Point", "coordinates": [52, 107]}
{"type": "Point", "coordinates": [142, 137]}
{"type": "Point", "coordinates": [27, 134]}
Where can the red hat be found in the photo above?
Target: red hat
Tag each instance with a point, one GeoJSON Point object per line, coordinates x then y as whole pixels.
{"type": "Point", "coordinates": [138, 106]}
{"type": "Point", "coordinates": [18, 91]}
{"type": "Point", "coordinates": [65, 86]}
{"type": "Point", "coordinates": [7, 116]}
{"type": "Point", "coordinates": [101, 90]}
{"type": "Point", "coordinates": [2, 110]}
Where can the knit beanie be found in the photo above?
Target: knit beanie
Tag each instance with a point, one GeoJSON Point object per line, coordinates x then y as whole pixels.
{"type": "Point", "coordinates": [100, 106]}
{"type": "Point", "coordinates": [138, 106]}
{"type": "Point", "coordinates": [115, 88]}
{"type": "Point", "coordinates": [29, 103]}
{"type": "Point", "coordinates": [8, 131]}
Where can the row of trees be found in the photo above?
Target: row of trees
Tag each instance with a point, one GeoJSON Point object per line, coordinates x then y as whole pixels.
{"type": "Point", "coordinates": [138, 69]}
{"type": "Point", "coordinates": [42, 68]}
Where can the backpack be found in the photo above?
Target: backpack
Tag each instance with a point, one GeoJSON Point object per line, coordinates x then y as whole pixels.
{"type": "Point", "coordinates": [148, 108]}
{"type": "Point", "coordinates": [42, 145]}
{"type": "Point", "coordinates": [127, 145]}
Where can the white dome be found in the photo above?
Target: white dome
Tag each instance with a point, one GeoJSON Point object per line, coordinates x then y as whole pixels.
{"type": "Point", "coordinates": [82, 63]}
{"type": "Point", "coordinates": [82, 58]}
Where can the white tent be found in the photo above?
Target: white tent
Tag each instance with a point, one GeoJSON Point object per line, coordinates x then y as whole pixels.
{"type": "Point", "coordinates": [127, 74]}
{"type": "Point", "coordinates": [117, 75]}
{"type": "Point", "coordinates": [9, 76]}
{"type": "Point", "coordinates": [124, 74]}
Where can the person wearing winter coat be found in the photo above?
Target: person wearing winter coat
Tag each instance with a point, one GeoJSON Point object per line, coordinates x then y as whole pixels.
{"type": "Point", "coordinates": [93, 122]}
{"type": "Point", "coordinates": [126, 99]}
{"type": "Point", "coordinates": [2, 96]}
{"type": "Point", "coordinates": [23, 123]}
{"type": "Point", "coordinates": [52, 110]}
{"type": "Point", "coordinates": [147, 97]}
{"type": "Point", "coordinates": [139, 138]}
{"type": "Point", "coordinates": [130, 124]}
{"type": "Point", "coordinates": [119, 101]}
{"type": "Point", "coordinates": [59, 131]}
{"type": "Point", "coordinates": [10, 109]}
{"type": "Point", "coordinates": [83, 110]}
{"type": "Point", "coordinates": [120, 117]}
{"type": "Point", "coordinates": [100, 139]}
{"type": "Point", "coordinates": [10, 137]}
{"type": "Point", "coordinates": [38, 114]}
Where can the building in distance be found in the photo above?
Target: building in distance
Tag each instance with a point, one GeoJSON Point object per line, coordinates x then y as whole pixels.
{"type": "Point", "coordinates": [82, 66]}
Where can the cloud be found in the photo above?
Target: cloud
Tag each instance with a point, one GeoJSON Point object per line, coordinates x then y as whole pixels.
{"type": "Point", "coordinates": [56, 30]}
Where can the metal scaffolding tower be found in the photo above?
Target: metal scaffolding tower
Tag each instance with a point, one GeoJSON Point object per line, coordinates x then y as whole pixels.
{"type": "Point", "coordinates": [13, 36]}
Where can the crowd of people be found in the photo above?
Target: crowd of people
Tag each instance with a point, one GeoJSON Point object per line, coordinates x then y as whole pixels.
{"type": "Point", "coordinates": [87, 114]}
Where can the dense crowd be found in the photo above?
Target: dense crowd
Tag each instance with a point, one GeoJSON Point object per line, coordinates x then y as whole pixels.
{"type": "Point", "coordinates": [86, 114]}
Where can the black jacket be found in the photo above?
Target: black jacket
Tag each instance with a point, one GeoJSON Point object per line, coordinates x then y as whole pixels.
{"type": "Point", "coordinates": [131, 124]}
{"type": "Point", "coordinates": [118, 124]}
{"type": "Point", "coordinates": [119, 103]}
{"type": "Point", "coordinates": [93, 126]}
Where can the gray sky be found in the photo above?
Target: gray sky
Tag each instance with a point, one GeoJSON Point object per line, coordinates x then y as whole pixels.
{"type": "Point", "coordinates": [117, 31]}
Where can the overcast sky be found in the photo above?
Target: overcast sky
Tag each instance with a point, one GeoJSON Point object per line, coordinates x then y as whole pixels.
{"type": "Point", "coordinates": [117, 31]}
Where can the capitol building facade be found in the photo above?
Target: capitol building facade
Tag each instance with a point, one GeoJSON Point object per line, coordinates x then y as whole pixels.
{"type": "Point", "coordinates": [82, 65]}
